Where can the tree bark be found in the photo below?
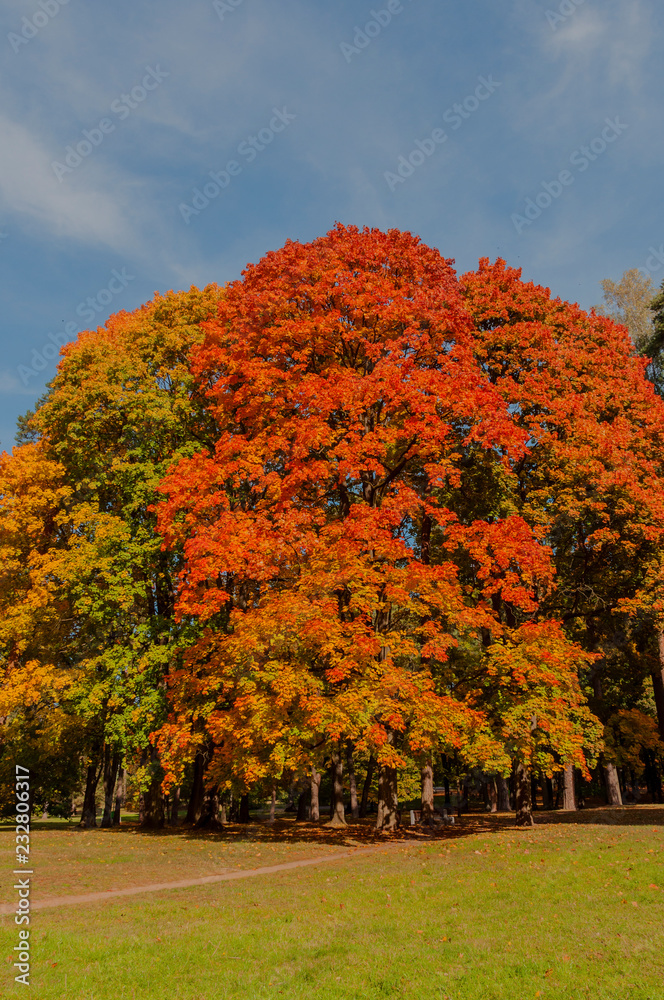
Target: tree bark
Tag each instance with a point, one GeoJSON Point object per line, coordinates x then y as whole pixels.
{"type": "Point", "coordinates": [175, 805]}
{"type": "Point", "coordinates": [337, 794]}
{"type": "Point", "coordinates": [315, 795]}
{"type": "Point", "coordinates": [120, 797]}
{"type": "Point", "coordinates": [195, 806]}
{"type": "Point", "coordinates": [366, 788]}
{"type": "Point", "coordinates": [273, 804]}
{"type": "Point", "coordinates": [658, 686]}
{"type": "Point", "coordinates": [523, 796]}
{"type": "Point", "coordinates": [653, 779]}
{"type": "Point", "coordinates": [426, 775]}
{"type": "Point", "coordinates": [354, 805]}
{"type": "Point", "coordinates": [111, 767]}
{"type": "Point", "coordinates": [613, 794]}
{"type": "Point", "coordinates": [153, 806]}
{"type": "Point", "coordinates": [233, 809]}
{"type": "Point", "coordinates": [303, 807]}
{"type": "Point", "coordinates": [533, 791]}
{"type": "Point", "coordinates": [465, 794]}
{"type": "Point", "coordinates": [244, 809]}
{"type": "Point", "coordinates": [209, 818]}
{"type": "Point", "coordinates": [89, 811]}
{"type": "Point", "coordinates": [503, 794]}
{"type": "Point", "coordinates": [493, 794]}
{"type": "Point", "coordinates": [387, 818]}
{"type": "Point", "coordinates": [547, 793]}
{"type": "Point", "coordinates": [569, 802]}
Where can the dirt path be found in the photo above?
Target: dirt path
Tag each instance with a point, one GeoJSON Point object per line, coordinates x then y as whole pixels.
{"type": "Point", "coordinates": [139, 890]}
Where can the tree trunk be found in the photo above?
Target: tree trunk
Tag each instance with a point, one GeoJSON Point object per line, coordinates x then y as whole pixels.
{"type": "Point", "coordinates": [463, 803]}
{"type": "Point", "coordinates": [153, 806]}
{"type": "Point", "coordinates": [503, 794]}
{"type": "Point", "coordinates": [653, 779]}
{"type": "Point", "coordinates": [366, 788]}
{"type": "Point", "coordinates": [120, 797]}
{"type": "Point", "coordinates": [426, 775]}
{"type": "Point", "coordinates": [233, 810]}
{"type": "Point", "coordinates": [613, 795]}
{"type": "Point", "coordinates": [569, 803]}
{"type": "Point", "coordinates": [533, 791]}
{"type": "Point", "coordinates": [111, 767]}
{"type": "Point", "coordinates": [658, 686]}
{"type": "Point", "coordinates": [209, 818]}
{"type": "Point", "coordinates": [273, 804]}
{"type": "Point", "coordinates": [524, 805]}
{"type": "Point", "coordinates": [315, 795]}
{"type": "Point", "coordinates": [303, 807]}
{"type": "Point", "coordinates": [337, 793]}
{"type": "Point", "coordinates": [387, 818]}
{"type": "Point", "coordinates": [547, 793]}
{"type": "Point", "coordinates": [244, 809]}
{"type": "Point", "coordinates": [89, 811]}
{"type": "Point", "coordinates": [354, 805]}
{"type": "Point", "coordinates": [175, 805]}
{"type": "Point", "coordinates": [493, 794]}
{"type": "Point", "coordinates": [195, 807]}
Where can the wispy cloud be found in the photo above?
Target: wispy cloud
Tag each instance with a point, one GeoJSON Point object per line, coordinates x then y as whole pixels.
{"type": "Point", "coordinates": [28, 187]}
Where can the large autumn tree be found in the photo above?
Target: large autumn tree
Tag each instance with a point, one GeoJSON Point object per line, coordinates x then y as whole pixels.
{"type": "Point", "coordinates": [351, 411]}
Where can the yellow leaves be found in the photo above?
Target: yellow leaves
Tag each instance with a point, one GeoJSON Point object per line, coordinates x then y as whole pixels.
{"type": "Point", "coordinates": [31, 685]}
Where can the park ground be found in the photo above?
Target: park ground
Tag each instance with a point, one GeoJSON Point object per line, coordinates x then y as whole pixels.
{"type": "Point", "coordinates": [573, 909]}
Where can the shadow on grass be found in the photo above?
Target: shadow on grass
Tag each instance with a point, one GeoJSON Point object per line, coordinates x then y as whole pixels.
{"type": "Point", "coordinates": [362, 832]}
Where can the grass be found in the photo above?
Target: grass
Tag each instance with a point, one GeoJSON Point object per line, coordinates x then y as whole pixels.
{"type": "Point", "coordinates": [69, 861]}
{"type": "Point", "coordinates": [562, 911]}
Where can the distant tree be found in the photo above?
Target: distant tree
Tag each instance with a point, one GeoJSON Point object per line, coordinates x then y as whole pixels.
{"type": "Point", "coordinates": [630, 303]}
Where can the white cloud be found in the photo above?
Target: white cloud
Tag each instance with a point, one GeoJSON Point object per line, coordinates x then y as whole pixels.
{"type": "Point", "coordinates": [28, 186]}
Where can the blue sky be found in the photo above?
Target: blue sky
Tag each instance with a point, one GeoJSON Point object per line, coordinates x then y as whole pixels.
{"type": "Point", "coordinates": [301, 118]}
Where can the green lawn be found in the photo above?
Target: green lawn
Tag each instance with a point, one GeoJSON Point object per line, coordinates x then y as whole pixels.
{"type": "Point", "coordinates": [573, 911]}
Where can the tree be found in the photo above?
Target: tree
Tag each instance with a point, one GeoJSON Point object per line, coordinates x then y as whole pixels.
{"type": "Point", "coordinates": [121, 407]}
{"type": "Point", "coordinates": [327, 522]}
{"type": "Point", "coordinates": [630, 303]}
{"type": "Point", "coordinates": [591, 480]}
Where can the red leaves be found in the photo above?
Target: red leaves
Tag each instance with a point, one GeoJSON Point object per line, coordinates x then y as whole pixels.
{"type": "Point", "coordinates": [394, 453]}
